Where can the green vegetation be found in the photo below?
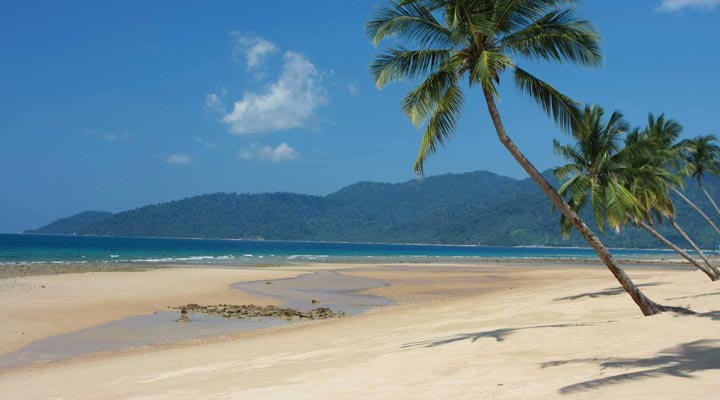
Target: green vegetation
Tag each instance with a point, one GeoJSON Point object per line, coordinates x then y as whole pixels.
{"type": "Point", "coordinates": [623, 184]}
{"type": "Point", "coordinates": [471, 208]}
{"type": "Point", "coordinates": [76, 224]}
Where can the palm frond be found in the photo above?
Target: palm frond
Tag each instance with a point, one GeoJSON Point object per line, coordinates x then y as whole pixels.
{"type": "Point", "coordinates": [440, 126]}
{"type": "Point", "coordinates": [411, 21]}
{"type": "Point", "coordinates": [403, 64]}
{"type": "Point", "coordinates": [486, 71]}
{"type": "Point", "coordinates": [562, 109]}
{"type": "Point", "coordinates": [557, 36]}
{"type": "Point", "coordinates": [422, 101]}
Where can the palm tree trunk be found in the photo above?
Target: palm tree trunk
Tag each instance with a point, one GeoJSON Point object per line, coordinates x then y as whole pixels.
{"type": "Point", "coordinates": [647, 306]}
{"type": "Point", "coordinates": [709, 197]}
{"type": "Point", "coordinates": [697, 209]}
{"type": "Point", "coordinates": [681, 252]}
{"type": "Point", "coordinates": [693, 245]}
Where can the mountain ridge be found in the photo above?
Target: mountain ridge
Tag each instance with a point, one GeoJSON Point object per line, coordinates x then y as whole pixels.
{"type": "Point", "coordinates": [470, 208]}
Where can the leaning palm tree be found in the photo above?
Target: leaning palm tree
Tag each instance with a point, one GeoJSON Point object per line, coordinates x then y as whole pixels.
{"type": "Point", "coordinates": [664, 134]}
{"type": "Point", "coordinates": [609, 177]}
{"type": "Point", "coordinates": [701, 155]}
{"type": "Point", "coordinates": [594, 163]}
{"type": "Point", "coordinates": [647, 177]}
{"type": "Point", "coordinates": [476, 41]}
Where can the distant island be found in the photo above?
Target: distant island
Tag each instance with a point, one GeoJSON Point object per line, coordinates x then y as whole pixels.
{"type": "Point", "coordinates": [475, 208]}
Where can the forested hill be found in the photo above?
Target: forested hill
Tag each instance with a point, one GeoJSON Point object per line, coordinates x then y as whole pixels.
{"type": "Point", "coordinates": [470, 208]}
{"type": "Point", "coordinates": [73, 224]}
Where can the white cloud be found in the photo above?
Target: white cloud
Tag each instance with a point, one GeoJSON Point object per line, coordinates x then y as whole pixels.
{"type": "Point", "coordinates": [288, 103]}
{"type": "Point", "coordinates": [124, 136]}
{"type": "Point", "coordinates": [247, 153]}
{"type": "Point", "coordinates": [205, 143]}
{"type": "Point", "coordinates": [352, 89]}
{"type": "Point", "coordinates": [178, 159]}
{"type": "Point", "coordinates": [254, 48]}
{"type": "Point", "coordinates": [213, 103]}
{"type": "Point", "coordinates": [283, 152]}
{"type": "Point", "coordinates": [675, 5]}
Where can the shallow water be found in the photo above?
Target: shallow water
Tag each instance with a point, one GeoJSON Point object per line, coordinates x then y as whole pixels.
{"type": "Point", "coordinates": [334, 290]}
{"type": "Point", "coordinates": [337, 291]}
{"type": "Point", "coordinates": [138, 331]}
{"type": "Point", "coordinates": [28, 249]}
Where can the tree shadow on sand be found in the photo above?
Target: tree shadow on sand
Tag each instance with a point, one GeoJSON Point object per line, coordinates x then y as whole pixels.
{"type": "Point", "coordinates": [694, 296]}
{"type": "Point", "coordinates": [713, 315]}
{"type": "Point", "coordinates": [497, 334]}
{"type": "Point", "coordinates": [605, 292]}
{"type": "Point", "coordinates": [680, 361]}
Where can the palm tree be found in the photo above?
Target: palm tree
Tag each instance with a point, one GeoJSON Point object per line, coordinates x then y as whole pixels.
{"type": "Point", "coordinates": [664, 133]}
{"type": "Point", "coordinates": [701, 155]}
{"type": "Point", "coordinates": [648, 178]}
{"type": "Point", "coordinates": [592, 171]}
{"type": "Point", "coordinates": [619, 188]}
{"type": "Point", "coordinates": [479, 40]}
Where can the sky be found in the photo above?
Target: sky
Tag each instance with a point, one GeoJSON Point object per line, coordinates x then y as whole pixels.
{"type": "Point", "coordinates": [116, 105]}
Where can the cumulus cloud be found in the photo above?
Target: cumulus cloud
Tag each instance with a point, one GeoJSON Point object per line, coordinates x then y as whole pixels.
{"type": "Point", "coordinates": [290, 102]}
{"type": "Point", "coordinates": [283, 152]}
{"type": "Point", "coordinates": [675, 5]}
{"type": "Point", "coordinates": [254, 48]}
{"type": "Point", "coordinates": [178, 159]}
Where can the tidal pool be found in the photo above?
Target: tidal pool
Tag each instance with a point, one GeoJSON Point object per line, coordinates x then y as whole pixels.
{"type": "Point", "coordinates": [330, 289]}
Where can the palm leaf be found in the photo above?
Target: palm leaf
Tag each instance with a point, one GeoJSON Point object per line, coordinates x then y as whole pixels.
{"type": "Point", "coordinates": [440, 126]}
{"type": "Point", "coordinates": [562, 109]}
{"type": "Point", "coordinates": [403, 64]}
{"type": "Point", "coordinates": [410, 21]}
{"type": "Point", "coordinates": [557, 36]}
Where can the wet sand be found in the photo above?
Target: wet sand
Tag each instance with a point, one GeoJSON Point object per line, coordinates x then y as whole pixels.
{"type": "Point", "coordinates": [463, 331]}
{"type": "Point", "coordinates": [331, 289]}
{"type": "Point", "coordinates": [37, 307]}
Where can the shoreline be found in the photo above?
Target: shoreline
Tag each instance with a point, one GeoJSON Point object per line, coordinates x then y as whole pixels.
{"type": "Point", "coordinates": [16, 270]}
{"type": "Point", "coordinates": [529, 246]}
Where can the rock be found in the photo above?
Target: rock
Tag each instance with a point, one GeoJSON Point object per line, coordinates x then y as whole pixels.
{"type": "Point", "coordinates": [268, 283]}
{"type": "Point", "coordinates": [252, 310]}
{"type": "Point", "coordinates": [183, 316]}
{"type": "Point", "coordinates": [314, 301]}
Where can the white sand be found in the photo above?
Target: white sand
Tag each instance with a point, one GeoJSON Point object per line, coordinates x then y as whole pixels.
{"type": "Point", "coordinates": [517, 341]}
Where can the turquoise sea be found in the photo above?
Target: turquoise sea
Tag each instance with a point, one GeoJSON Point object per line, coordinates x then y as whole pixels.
{"type": "Point", "coordinates": [15, 249]}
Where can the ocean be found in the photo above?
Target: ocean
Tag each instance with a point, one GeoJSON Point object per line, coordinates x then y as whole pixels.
{"type": "Point", "coordinates": [25, 249]}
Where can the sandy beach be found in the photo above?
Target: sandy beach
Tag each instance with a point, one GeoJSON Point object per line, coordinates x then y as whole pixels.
{"type": "Point", "coordinates": [452, 331]}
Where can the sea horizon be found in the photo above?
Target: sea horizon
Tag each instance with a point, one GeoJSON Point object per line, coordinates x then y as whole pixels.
{"type": "Point", "coordinates": [43, 248]}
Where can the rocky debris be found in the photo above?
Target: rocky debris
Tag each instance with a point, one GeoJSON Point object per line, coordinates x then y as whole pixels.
{"type": "Point", "coordinates": [183, 316]}
{"type": "Point", "coordinates": [251, 310]}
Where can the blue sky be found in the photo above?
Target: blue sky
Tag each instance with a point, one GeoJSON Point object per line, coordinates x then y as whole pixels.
{"type": "Point", "coordinates": [114, 105]}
